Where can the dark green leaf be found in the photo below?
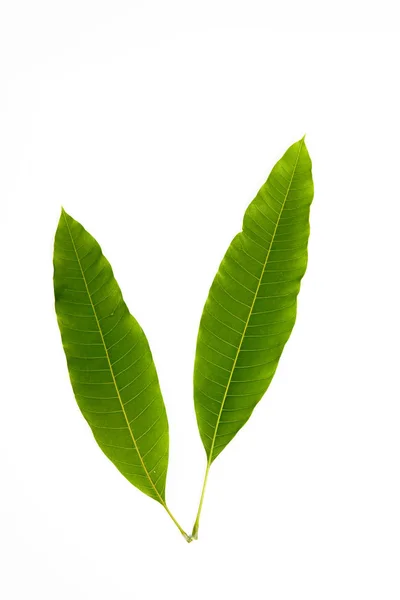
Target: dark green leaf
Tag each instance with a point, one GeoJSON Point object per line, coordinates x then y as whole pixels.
{"type": "Point", "coordinates": [109, 360]}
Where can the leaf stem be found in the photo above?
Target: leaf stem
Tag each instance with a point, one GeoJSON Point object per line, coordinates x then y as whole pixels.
{"type": "Point", "coordinates": [197, 521]}
{"type": "Point", "coordinates": [187, 537]}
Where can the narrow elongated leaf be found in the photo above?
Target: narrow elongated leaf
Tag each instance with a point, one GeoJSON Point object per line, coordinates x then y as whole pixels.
{"type": "Point", "coordinates": [251, 308]}
{"type": "Point", "coordinates": [109, 360]}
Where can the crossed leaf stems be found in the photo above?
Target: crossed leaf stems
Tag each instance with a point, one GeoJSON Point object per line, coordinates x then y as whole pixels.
{"type": "Point", "coordinates": [195, 530]}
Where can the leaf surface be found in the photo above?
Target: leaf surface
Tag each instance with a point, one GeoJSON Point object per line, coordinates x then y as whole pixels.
{"type": "Point", "coordinates": [109, 361]}
{"type": "Point", "coordinates": [251, 307]}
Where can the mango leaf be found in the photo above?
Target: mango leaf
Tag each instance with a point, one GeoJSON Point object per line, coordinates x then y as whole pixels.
{"type": "Point", "coordinates": [109, 361]}
{"type": "Point", "coordinates": [251, 308]}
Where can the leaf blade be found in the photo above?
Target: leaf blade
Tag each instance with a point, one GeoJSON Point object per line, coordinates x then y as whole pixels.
{"type": "Point", "coordinates": [109, 361]}
{"type": "Point", "coordinates": [251, 307]}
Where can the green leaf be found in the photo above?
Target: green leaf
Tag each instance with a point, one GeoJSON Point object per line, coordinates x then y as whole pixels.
{"type": "Point", "coordinates": [109, 361]}
{"type": "Point", "coordinates": [251, 308]}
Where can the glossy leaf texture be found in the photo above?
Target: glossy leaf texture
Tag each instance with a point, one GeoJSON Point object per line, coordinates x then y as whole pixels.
{"type": "Point", "coordinates": [251, 308]}
{"type": "Point", "coordinates": [109, 361]}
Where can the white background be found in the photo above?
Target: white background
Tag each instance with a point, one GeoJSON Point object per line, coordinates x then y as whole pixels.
{"type": "Point", "coordinates": [154, 124]}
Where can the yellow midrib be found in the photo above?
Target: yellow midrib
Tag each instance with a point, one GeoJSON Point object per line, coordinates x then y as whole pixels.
{"type": "Point", "coordinates": [110, 366]}
{"type": "Point", "coordinates": [251, 308]}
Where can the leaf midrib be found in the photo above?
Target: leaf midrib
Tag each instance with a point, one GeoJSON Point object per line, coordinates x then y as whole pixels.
{"type": "Point", "coordinates": [251, 308]}
{"type": "Point", "coordinates": [111, 367]}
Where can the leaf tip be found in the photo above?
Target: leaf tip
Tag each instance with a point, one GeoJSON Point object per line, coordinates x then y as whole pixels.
{"type": "Point", "coordinates": [64, 213]}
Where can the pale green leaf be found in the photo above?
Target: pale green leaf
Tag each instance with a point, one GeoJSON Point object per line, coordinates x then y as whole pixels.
{"type": "Point", "coordinates": [251, 308]}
